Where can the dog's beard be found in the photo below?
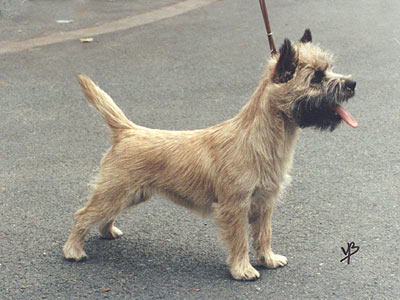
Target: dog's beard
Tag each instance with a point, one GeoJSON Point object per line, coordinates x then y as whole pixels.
{"type": "Point", "coordinates": [320, 111]}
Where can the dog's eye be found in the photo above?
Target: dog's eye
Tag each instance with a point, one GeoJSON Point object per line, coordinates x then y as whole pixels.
{"type": "Point", "coordinates": [318, 76]}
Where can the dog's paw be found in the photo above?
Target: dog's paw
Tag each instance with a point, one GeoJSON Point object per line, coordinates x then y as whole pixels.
{"type": "Point", "coordinates": [245, 273]}
{"type": "Point", "coordinates": [273, 261]}
{"type": "Point", "coordinates": [74, 253]}
{"type": "Point", "coordinates": [111, 234]}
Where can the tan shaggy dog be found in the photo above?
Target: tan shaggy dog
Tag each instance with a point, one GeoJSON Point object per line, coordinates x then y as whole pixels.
{"type": "Point", "coordinates": [234, 170]}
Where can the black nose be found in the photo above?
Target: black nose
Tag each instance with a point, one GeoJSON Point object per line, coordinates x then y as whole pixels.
{"type": "Point", "coordinates": [350, 84]}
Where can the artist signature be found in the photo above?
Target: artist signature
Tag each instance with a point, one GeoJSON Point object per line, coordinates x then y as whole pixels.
{"type": "Point", "coordinates": [348, 252]}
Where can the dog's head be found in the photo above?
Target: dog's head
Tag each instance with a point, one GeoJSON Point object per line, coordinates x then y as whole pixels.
{"type": "Point", "coordinates": [309, 91]}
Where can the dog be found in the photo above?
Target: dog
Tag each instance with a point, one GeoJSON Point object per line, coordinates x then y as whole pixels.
{"type": "Point", "coordinates": [233, 171]}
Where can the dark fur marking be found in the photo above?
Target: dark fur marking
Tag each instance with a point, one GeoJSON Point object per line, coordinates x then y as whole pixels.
{"type": "Point", "coordinates": [307, 37]}
{"type": "Point", "coordinates": [287, 63]}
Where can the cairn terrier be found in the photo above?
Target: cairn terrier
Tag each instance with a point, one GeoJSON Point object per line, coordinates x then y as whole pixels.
{"type": "Point", "coordinates": [233, 171]}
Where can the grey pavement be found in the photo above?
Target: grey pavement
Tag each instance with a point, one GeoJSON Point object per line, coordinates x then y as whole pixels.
{"type": "Point", "coordinates": [21, 19]}
{"type": "Point", "coordinates": [192, 71]}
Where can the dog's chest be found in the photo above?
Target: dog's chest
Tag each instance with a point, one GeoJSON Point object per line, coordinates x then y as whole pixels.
{"type": "Point", "coordinates": [276, 161]}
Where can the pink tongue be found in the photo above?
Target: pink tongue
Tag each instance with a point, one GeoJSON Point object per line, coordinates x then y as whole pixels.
{"type": "Point", "coordinates": [346, 116]}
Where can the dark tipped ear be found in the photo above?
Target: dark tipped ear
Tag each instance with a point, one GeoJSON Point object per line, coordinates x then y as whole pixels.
{"type": "Point", "coordinates": [306, 38]}
{"type": "Point", "coordinates": [287, 63]}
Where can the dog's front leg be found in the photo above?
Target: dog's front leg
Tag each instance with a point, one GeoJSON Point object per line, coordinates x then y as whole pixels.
{"type": "Point", "coordinates": [233, 223]}
{"type": "Point", "coordinates": [260, 220]}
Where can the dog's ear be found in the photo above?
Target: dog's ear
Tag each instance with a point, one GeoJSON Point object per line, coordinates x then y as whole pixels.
{"type": "Point", "coordinates": [307, 37]}
{"type": "Point", "coordinates": [287, 63]}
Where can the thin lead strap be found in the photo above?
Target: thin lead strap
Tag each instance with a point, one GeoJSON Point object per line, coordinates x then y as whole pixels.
{"type": "Point", "coordinates": [268, 27]}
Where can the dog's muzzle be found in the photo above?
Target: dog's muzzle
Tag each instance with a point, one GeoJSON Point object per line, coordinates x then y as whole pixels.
{"type": "Point", "coordinates": [349, 86]}
{"type": "Point", "coordinates": [325, 111]}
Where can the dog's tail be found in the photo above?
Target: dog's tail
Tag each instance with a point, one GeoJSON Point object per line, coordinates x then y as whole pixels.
{"type": "Point", "coordinates": [110, 112]}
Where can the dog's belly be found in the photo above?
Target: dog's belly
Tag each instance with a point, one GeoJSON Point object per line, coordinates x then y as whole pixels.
{"type": "Point", "coordinates": [199, 204]}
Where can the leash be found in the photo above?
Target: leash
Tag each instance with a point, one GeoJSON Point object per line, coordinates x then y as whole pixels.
{"type": "Point", "coordinates": [268, 28]}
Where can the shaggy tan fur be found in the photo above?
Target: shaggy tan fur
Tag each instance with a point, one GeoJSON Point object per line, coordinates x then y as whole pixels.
{"type": "Point", "coordinates": [234, 170]}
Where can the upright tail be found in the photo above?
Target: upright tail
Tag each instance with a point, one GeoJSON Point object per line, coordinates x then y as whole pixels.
{"type": "Point", "coordinates": [110, 112]}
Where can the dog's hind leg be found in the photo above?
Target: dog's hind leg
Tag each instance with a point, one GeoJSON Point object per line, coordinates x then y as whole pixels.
{"type": "Point", "coordinates": [107, 228]}
{"type": "Point", "coordinates": [110, 196]}
{"type": "Point", "coordinates": [109, 231]}
{"type": "Point", "coordinates": [102, 207]}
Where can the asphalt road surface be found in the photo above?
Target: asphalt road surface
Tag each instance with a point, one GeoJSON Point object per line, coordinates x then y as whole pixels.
{"type": "Point", "coordinates": [192, 70]}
